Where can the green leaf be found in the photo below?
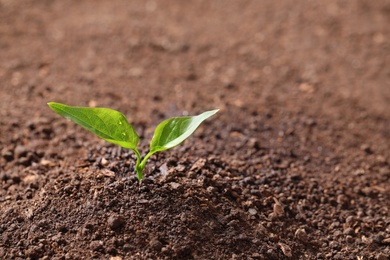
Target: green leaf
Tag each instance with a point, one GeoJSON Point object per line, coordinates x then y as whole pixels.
{"type": "Point", "coordinates": [107, 124]}
{"type": "Point", "coordinates": [173, 131]}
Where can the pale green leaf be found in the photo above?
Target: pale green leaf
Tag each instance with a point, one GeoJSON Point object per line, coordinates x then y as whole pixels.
{"type": "Point", "coordinates": [173, 131]}
{"type": "Point", "coordinates": [107, 124]}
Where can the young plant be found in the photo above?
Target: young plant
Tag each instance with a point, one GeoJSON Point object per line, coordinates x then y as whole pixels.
{"type": "Point", "coordinates": [113, 127]}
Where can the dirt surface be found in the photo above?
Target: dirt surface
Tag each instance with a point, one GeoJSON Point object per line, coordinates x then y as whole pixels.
{"type": "Point", "coordinates": [294, 166]}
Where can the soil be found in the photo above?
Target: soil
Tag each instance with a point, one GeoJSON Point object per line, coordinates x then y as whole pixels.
{"type": "Point", "coordinates": [296, 165]}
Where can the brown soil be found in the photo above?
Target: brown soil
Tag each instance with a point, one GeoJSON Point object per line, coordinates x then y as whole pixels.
{"type": "Point", "coordinates": [296, 165]}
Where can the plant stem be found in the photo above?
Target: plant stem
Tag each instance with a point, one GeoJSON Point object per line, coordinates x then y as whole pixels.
{"type": "Point", "coordinates": [138, 169]}
{"type": "Point", "coordinates": [140, 165]}
{"type": "Point", "coordinates": [139, 172]}
{"type": "Point", "coordinates": [145, 159]}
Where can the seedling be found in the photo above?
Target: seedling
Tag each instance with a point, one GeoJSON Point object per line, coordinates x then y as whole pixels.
{"type": "Point", "coordinates": [112, 126]}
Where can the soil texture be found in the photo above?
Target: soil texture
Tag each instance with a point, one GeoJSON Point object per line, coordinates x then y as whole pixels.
{"type": "Point", "coordinates": [296, 165]}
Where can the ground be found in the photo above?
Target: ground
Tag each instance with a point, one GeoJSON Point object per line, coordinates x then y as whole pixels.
{"type": "Point", "coordinates": [296, 165]}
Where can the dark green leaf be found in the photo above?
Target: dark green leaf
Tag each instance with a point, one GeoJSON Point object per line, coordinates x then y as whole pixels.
{"type": "Point", "coordinates": [173, 131]}
{"type": "Point", "coordinates": [108, 124]}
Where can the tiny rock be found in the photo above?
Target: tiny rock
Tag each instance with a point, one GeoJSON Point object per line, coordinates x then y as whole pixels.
{"type": "Point", "coordinates": [164, 169]}
{"type": "Point", "coordinates": [301, 234]}
{"type": "Point", "coordinates": [349, 231]}
{"type": "Point", "coordinates": [285, 249]}
{"type": "Point", "coordinates": [115, 222]}
{"type": "Point", "coordinates": [45, 162]}
{"type": "Point", "coordinates": [174, 185]}
{"type": "Point", "coordinates": [278, 208]}
{"type": "Point", "coordinates": [108, 173]}
{"type": "Point", "coordinates": [104, 162]}
{"type": "Point", "coordinates": [198, 165]}
{"type": "Point", "coordinates": [252, 211]}
{"type": "Point", "coordinates": [96, 245]}
{"type": "Point", "coordinates": [180, 168]}
{"type": "Point", "coordinates": [155, 244]}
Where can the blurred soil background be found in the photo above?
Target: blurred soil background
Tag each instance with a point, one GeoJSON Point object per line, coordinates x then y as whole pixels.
{"type": "Point", "coordinates": [294, 166]}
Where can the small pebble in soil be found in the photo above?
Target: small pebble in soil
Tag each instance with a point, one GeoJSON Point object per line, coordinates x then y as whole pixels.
{"type": "Point", "coordinates": [104, 161]}
{"type": "Point", "coordinates": [349, 231]}
{"type": "Point", "coordinates": [180, 168]}
{"type": "Point", "coordinates": [349, 239]}
{"type": "Point", "coordinates": [174, 185]}
{"type": "Point", "coordinates": [163, 169]}
{"type": "Point", "coordinates": [278, 208]}
{"type": "Point", "coordinates": [155, 244]}
{"type": "Point", "coordinates": [301, 235]}
{"type": "Point", "coordinates": [334, 245]}
{"type": "Point", "coordinates": [285, 249]}
{"type": "Point", "coordinates": [252, 211]}
{"type": "Point", "coordinates": [198, 165]}
{"type": "Point", "coordinates": [115, 222]}
{"type": "Point", "coordinates": [96, 245]}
